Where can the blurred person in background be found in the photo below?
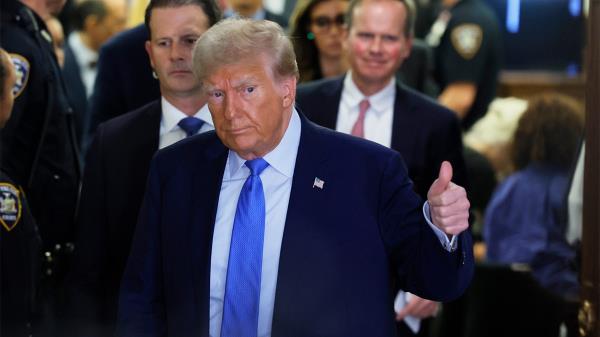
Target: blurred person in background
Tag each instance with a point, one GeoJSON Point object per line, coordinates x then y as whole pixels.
{"type": "Point", "coordinates": [253, 9]}
{"type": "Point", "coordinates": [55, 29]}
{"type": "Point", "coordinates": [317, 33]}
{"type": "Point", "coordinates": [526, 220]}
{"type": "Point", "coordinates": [467, 42]}
{"type": "Point", "coordinates": [94, 21]}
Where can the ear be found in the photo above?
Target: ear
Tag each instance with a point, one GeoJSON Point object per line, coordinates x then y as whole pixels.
{"type": "Point", "coordinates": [148, 46]}
{"type": "Point", "coordinates": [90, 22]}
{"type": "Point", "coordinates": [288, 91]}
{"type": "Point", "coordinates": [407, 47]}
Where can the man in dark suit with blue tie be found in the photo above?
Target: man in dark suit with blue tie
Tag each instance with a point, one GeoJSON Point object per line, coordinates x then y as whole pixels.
{"type": "Point", "coordinates": [274, 226]}
{"type": "Point", "coordinates": [119, 160]}
{"type": "Point", "coordinates": [379, 39]}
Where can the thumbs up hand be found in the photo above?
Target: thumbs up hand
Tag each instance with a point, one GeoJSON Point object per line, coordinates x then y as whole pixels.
{"type": "Point", "coordinates": [448, 203]}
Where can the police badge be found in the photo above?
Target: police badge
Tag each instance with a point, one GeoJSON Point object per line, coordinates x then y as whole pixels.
{"type": "Point", "coordinates": [10, 206]}
{"type": "Point", "coordinates": [466, 40]}
{"type": "Point", "coordinates": [22, 68]}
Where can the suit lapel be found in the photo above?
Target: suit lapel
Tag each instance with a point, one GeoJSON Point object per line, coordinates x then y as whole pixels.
{"type": "Point", "coordinates": [402, 127]}
{"type": "Point", "coordinates": [204, 194]}
{"type": "Point", "coordinates": [327, 106]}
{"type": "Point", "coordinates": [303, 205]}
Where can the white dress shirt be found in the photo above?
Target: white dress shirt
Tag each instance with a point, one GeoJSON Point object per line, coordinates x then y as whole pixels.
{"type": "Point", "coordinates": [277, 186]}
{"type": "Point", "coordinates": [85, 57]}
{"type": "Point", "coordinates": [170, 132]}
{"type": "Point", "coordinates": [379, 117]}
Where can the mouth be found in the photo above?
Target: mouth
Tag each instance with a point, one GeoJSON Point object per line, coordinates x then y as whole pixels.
{"type": "Point", "coordinates": [236, 131]}
{"type": "Point", "coordinates": [180, 72]}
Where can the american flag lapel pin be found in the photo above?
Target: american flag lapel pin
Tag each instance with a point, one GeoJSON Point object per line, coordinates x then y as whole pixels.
{"type": "Point", "coordinates": [318, 183]}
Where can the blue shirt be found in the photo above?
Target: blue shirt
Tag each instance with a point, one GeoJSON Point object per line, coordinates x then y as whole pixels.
{"type": "Point", "coordinates": [525, 222]}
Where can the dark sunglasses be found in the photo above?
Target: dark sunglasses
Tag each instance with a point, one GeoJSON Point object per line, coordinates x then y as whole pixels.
{"type": "Point", "coordinates": [325, 22]}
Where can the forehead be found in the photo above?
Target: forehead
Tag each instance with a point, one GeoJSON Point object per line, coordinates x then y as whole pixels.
{"type": "Point", "coordinates": [178, 20]}
{"type": "Point", "coordinates": [329, 6]}
{"type": "Point", "coordinates": [252, 71]}
{"type": "Point", "coordinates": [386, 17]}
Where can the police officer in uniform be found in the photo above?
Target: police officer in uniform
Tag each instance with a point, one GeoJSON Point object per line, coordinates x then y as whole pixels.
{"type": "Point", "coordinates": [38, 147]}
{"type": "Point", "coordinates": [467, 41]}
{"type": "Point", "coordinates": [19, 239]}
{"type": "Point", "coordinates": [38, 142]}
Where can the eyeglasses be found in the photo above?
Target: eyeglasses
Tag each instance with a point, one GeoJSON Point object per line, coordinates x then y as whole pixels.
{"type": "Point", "coordinates": [325, 22]}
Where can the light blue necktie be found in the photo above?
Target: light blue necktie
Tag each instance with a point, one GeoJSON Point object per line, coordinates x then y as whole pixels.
{"type": "Point", "coordinates": [190, 125]}
{"type": "Point", "coordinates": [242, 288]}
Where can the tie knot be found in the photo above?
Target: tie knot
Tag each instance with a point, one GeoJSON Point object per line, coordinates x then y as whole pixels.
{"type": "Point", "coordinates": [256, 166]}
{"type": "Point", "coordinates": [363, 106]}
{"type": "Point", "coordinates": [190, 125]}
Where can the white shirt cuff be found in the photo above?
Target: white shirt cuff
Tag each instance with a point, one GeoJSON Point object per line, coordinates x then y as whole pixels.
{"type": "Point", "coordinates": [448, 244]}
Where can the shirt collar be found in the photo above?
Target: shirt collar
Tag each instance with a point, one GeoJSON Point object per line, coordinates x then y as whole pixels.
{"type": "Point", "coordinates": [282, 158]}
{"type": "Point", "coordinates": [171, 115]}
{"type": "Point", "coordinates": [379, 102]}
{"type": "Point", "coordinates": [83, 55]}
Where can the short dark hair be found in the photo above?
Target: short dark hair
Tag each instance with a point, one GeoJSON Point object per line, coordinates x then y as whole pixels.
{"type": "Point", "coordinates": [548, 132]}
{"type": "Point", "coordinates": [411, 15]}
{"type": "Point", "coordinates": [209, 7]}
{"type": "Point", "coordinates": [87, 8]}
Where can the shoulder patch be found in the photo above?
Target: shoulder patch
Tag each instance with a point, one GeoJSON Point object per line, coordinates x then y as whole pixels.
{"type": "Point", "coordinates": [10, 206]}
{"type": "Point", "coordinates": [466, 39]}
{"type": "Point", "coordinates": [22, 69]}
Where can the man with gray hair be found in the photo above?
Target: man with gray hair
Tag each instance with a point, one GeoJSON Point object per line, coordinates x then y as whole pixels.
{"type": "Point", "coordinates": [273, 226]}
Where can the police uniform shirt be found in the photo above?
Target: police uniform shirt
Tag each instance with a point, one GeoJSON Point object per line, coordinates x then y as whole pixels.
{"type": "Point", "coordinates": [469, 50]}
{"type": "Point", "coordinates": [19, 256]}
{"type": "Point", "coordinates": [39, 150]}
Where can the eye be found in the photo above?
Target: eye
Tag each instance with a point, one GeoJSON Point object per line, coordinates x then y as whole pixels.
{"type": "Point", "coordinates": [191, 40]}
{"type": "Point", "coordinates": [163, 43]}
{"type": "Point", "coordinates": [390, 38]}
{"type": "Point", "coordinates": [250, 89]}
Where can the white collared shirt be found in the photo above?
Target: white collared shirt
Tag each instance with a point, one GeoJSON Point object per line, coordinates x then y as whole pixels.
{"type": "Point", "coordinates": [85, 57]}
{"type": "Point", "coordinates": [170, 132]}
{"type": "Point", "coordinates": [277, 186]}
{"type": "Point", "coordinates": [379, 117]}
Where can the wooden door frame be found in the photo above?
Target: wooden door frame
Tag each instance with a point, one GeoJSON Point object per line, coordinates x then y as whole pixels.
{"type": "Point", "coordinates": [590, 274]}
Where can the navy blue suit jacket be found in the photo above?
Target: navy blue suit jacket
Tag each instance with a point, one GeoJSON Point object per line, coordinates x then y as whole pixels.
{"type": "Point", "coordinates": [424, 132]}
{"type": "Point", "coordinates": [113, 188]}
{"type": "Point", "coordinates": [340, 245]}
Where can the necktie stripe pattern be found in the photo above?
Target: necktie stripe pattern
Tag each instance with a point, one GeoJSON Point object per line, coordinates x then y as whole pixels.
{"type": "Point", "coordinates": [358, 129]}
{"type": "Point", "coordinates": [242, 287]}
{"type": "Point", "coordinates": [190, 125]}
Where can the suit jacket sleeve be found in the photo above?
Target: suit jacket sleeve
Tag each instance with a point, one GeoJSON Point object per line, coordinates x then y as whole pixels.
{"type": "Point", "coordinates": [141, 301]}
{"type": "Point", "coordinates": [423, 266]}
{"type": "Point", "coordinates": [89, 269]}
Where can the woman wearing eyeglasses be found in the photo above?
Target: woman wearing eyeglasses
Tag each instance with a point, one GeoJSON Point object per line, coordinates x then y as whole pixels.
{"type": "Point", "coordinates": [317, 32]}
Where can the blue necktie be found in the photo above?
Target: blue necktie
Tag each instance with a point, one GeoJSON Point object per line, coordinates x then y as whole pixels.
{"type": "Point", "coordinates": [190, 125]}
{"type": "Point", "coordinates": [242, 288]}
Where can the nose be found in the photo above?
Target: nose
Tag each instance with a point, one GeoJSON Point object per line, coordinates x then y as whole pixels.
{"type": "Point", "coordinates": [177, 51]}
{"type": "Point", "coordinates": [230, 106]}
{"type": "Point", "coordinates": [375, 46]}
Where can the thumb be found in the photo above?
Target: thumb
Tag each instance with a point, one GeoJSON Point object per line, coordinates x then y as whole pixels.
{"type": "Point", "coordinates": [441, 183]}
